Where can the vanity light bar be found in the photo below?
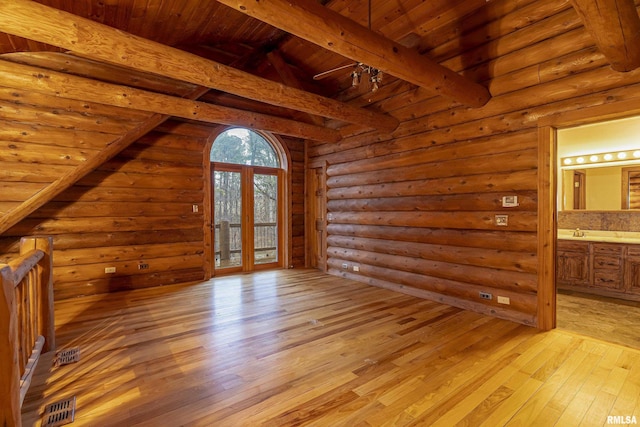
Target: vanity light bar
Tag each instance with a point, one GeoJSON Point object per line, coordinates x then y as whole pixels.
{"type": "Point", "coordinates": [590, 159]}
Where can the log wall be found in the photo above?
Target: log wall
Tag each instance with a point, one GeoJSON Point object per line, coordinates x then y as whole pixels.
{"type": "Point", "coordinates": [415, 209]}
{"type": "Point", "coordinates": [134, 209]}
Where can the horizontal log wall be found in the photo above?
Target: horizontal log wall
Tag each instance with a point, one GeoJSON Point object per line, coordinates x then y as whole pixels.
{"type": "Point", "coordinates": [415, 209]}
{"type": "Point", "coordinates": [136, 208]}
{"type": "Point", "coordinates": [296, 202]}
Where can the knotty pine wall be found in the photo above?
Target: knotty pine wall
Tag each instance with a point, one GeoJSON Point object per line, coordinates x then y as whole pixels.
{"type": "Point", "coordinates": [136, 208]}
{"type": "Point", "coordinates": [414, 210]}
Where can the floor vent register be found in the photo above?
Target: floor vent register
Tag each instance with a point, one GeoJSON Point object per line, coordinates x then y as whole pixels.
{"type": "Point", "coordinates": [67, 356]}
{"type": "Point", "coordinates": [59, 413]}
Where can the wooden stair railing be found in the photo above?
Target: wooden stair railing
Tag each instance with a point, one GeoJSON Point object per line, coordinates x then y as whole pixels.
{"type": "Point", "coordinates": [26, 322]}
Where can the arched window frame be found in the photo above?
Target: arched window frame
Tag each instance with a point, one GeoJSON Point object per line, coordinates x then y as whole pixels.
{"type": "Point", "coordinates": [284, 158]}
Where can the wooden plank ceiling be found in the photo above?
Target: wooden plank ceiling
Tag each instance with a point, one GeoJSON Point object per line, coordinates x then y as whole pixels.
{"type": "Point", "coordinates": [219, 33]}
{"type": "Point", "coordinates": [394, 36]}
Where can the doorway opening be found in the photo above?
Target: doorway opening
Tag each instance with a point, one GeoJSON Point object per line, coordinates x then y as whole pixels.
{"type": "Point", "coordinates": [597, 237]}
{"type": "Point", "coordinates": [248, 192]}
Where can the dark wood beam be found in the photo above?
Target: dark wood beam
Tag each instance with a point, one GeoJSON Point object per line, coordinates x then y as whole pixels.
{"type": "Point", "coordinates": [34, 21]}
{"type": "Point", "coordinates": [615, 27]}
{"type": "Point", "coordinates": [82, 89]}
{"type": "Point", "coordinates": [317, 24]}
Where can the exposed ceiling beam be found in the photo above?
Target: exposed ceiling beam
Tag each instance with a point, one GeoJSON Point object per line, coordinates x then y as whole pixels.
{"type": "Point", "coordinates": [615, 27]}
{"type": "Point", "coordinates": [34, 21]}
{"type": "Point", "coordinates": [82, 89]}
{"type": "Point", "coordinates": [317, 24]}
{"type": "Point", "coordinates": [45, 195]}
{"type": "Point", "coordinates": [286, 75]}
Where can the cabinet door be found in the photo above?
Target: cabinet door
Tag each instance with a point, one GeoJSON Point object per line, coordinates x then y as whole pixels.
{"type": "Point", "coordinates": [608, 270]}
{"type": "Point", "coordinates": [632, 271]}
{"type": "Point", "coordinates": [572, 263]}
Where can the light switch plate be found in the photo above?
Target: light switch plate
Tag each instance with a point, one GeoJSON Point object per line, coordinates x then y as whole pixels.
{"type": "Point", "coordinates": [510, 201]}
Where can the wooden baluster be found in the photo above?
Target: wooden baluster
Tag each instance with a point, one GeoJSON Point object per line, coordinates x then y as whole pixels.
{"type": "Point", "coordinates": [44, 272]}
{"type": "Point", "coordinates": [9, 384]}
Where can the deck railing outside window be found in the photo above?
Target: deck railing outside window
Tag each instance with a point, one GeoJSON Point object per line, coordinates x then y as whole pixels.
{"type": "Point", "coordinates": [229, 240]}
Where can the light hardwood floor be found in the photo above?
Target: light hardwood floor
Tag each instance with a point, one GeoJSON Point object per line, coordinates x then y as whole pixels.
{"type": "Point", "coordinates": [297, 347]}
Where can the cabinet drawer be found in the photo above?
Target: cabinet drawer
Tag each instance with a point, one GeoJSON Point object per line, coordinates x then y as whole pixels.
{"type": "Point", "coordinates": [608, 250]}
{"type": "Point", "coordinates": [607, 262]}
{"type": "Point", "coordinates": [611, 279]}
{"type": "Point", "coordinates": [572, 246]}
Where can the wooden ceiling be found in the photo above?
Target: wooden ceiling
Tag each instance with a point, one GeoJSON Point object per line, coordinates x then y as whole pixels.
{"type": "Point", "coordinates": [217, 32]}
{"type": "Point", "coordinates": [226, 35]}
{"type": "Point", "coordinates": [408, 39]}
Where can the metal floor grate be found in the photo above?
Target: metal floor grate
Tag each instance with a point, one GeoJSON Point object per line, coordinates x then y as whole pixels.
{"type": "Point", "coordinates": [64, 357]}
{"type": "Point", "coordinates": [59, 413]}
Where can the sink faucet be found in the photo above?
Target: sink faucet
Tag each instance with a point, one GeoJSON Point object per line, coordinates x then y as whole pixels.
{"type": "Point", "coordinates": [578, 233]}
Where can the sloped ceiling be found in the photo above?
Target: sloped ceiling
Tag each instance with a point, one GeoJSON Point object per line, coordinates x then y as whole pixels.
{"type": "Point", "coordinates": [218, 32]}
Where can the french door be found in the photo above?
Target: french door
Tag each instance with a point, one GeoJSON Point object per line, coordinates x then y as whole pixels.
{"type": "Point", "coordinates": [247, 223]}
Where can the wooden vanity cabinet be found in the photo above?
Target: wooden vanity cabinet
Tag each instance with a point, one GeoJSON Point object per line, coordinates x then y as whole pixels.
{"type": "Point", "coordinates": [610, 269]}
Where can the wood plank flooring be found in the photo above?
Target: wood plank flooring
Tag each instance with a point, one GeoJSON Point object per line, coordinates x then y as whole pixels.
{"type": "Point", "coordinates": [297, 347]}
{"type": "Point", "coordinates": [610, 319]}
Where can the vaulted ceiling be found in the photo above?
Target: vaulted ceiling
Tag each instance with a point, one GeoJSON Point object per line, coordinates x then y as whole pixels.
{"type": "Point", "coordinates": [435, 45]}
{"type": "Point", "coordinates": [397, 36]}
{"type": "Point", "coordinates": [216, 31]}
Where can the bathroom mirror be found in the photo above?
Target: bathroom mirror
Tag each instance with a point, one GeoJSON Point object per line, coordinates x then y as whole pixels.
{"type": "Point", "coordinates": [601, 188]}
{"type": "Point", "coordinates": [599, 166]}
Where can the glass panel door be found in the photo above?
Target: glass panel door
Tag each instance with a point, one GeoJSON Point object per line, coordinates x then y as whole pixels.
{"type": "Point", "coordinates": [228, 219]}
{"type": "Point", "coordinates": [265, 218]}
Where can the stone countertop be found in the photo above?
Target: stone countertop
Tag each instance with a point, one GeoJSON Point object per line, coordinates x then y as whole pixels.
{"type": "Point", "coordinates": [632, 237]}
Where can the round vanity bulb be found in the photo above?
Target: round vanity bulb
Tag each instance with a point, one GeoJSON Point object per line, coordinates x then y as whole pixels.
{"type": "Point", "coordinates": [580, 160]}
{"type": "Point", "coordinates": [594, 158]}
{"type": "Point", "coordinates": [567, 161]}
{"type": "Point", "coordinates": [636, 154]}
{"type": "Point", "coordinates": [608, 156]}
{"type": "Point", "coordinates": [622, 155]}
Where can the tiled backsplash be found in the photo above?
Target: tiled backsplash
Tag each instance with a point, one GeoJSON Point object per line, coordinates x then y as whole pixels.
{"type": "Point", "coordinates": [600, 220]}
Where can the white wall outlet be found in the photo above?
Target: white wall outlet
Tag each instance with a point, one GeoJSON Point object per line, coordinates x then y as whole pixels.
{"type": "Point", "coordinates": [504, 300]}
{"type": "Point", "coordinates": [510, 201]}
{"type": "Point", "coordinates": [345, 265]}
{"type": "Point", "coordinates": [109, 270]}
{"type": "Point", "coordinates": [501, 220]}
{"type": "Point", "coordinates": [194, 208]}
{"type": "Point", "coordinates": [356, 268]}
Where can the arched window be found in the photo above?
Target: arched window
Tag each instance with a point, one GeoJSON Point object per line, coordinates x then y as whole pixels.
{"type": "Point", "coordinates": [244, 147]}
{"type": "Point", "coordinates": [247, 181]}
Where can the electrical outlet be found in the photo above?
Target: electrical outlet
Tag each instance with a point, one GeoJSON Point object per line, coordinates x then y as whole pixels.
{"type": "Point", "coordinates": [143, 266]}
{"type": "Point", "coordinates": [504, 300]}
{"type": "Point", "coordinates": [356, 268]}
{"type": "Point", "coordinates": [486, 295]}
{"type": "Point", "coordinates": [502, 220]}
{"type": "Point", "coordinates": [345, 265]}
{"type": "Point", "coordinates": [194, 208]}
{"type": "Point", "coordinates": [109, 270]}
